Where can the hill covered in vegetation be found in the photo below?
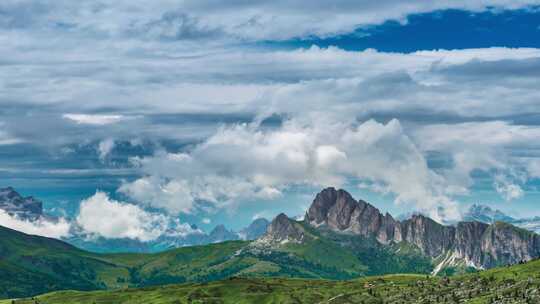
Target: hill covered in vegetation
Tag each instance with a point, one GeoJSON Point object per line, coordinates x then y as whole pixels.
{"type": "Point", "coordinates": [515, 284]}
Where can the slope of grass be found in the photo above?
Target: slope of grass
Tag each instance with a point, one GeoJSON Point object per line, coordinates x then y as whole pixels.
{"type": "Point", "coordinates": [37, 264]}
{"type": "Point", "coordinates": [516, 284]}
{"type": "Point", "coordinates": [32, 265]}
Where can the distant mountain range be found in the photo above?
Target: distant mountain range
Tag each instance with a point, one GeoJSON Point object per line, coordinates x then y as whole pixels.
{"type": "Point", "coordinates": [339, 238]}
{"type": "Point", "coordinates": [31, 209]}
{"type": "Point", "coordinates": [485, 214]}
{"type": "Point", "coordinates": [168, 241]}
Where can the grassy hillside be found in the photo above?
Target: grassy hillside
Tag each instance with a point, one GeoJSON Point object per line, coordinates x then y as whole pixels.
{"type": "Point", "coordinates": [516, 284]}
{"type": "Point", "coordinates": [38, 264]}
{"type": "Point", "coordinates": [32, 265]}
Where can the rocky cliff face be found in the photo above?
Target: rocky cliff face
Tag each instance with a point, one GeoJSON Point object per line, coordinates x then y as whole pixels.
{"type": "Point", "coordinates": [284, 229]}
{"type": "Point", "coordinates": [468, 243]}
{"type": "Point", "coordinates": [337, 210]}
{"type": "Point", "coordinates": [432, 238]}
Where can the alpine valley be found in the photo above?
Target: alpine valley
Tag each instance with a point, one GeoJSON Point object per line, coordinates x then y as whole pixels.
{"type": "Point", "coordinates": [340, 238]}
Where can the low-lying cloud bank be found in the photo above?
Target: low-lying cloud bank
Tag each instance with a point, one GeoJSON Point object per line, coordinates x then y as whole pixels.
{"type": "Point", "coordinates": [42, 226]}
{"type": "Point", "coordinates": [102, 217]}
{"type": "Point", "coordinates": [109, 218]}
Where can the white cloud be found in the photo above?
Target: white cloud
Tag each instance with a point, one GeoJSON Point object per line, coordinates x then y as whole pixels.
{"type": "Point", "coordinates": [41, 226]}
{"type": "Point", "coordinates": [113, 219]}
{"type": "Point", "coordinates": [206, 221]}
{"type": "Point", "coordinates": [105, 147]}
{"type": "Point", "coordinates": [243, 162]}
{"type": "Point", "coordinates": [314, 88]}
{"type": "Point", "coordinates": [94, 119]}
{"type": "Point", "coordinates": [508, 190]}
{"type": "Point", "coordinates": [238, 20]}
{"type": "Point", "coordinates": [485, 146]}
{"type": "Point", "coordinates": [264, 214]}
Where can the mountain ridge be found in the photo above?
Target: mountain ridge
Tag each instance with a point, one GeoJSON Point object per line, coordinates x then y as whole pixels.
{"type": "Point", "coordinates": [339, 238]}
{"type": "Point", "coordinates": [16, 205]}
{"type": "Point", "coordinates": [486, 214]}
{"type": "Point", "coordinates": [470, 244]}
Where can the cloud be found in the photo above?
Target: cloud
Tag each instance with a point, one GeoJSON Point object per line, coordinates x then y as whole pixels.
{"type": "Point", "coordinates": [6, 139]}
{"type": "Point", "coordinates": [264, 214]}
{"type": "Point", "coordinates": [486, 146]}
{"type": "Point", "coordinates": [120, 57]}
{"type": "Point", "coordinates": [235, 20]}
{"type": "Point", "coordinates": [206, 221]}
{"type": "Point", "coordinates": [105, 147]}
{"type": "Point", "coordinates": [94, 119]}
{"type": "Point", "coordinates": [507, 189]}
{"type": "Point", "coordinates": [41, 226]}
{"type": "Point", "coordinates": [243, 162]}
{"type": "Point", "coordinates": [108, 218]}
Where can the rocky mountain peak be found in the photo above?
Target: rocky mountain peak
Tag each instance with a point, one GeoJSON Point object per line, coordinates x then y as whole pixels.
{"type": "Point", "coordinates": [337, 210]}
{"type": "Point", "coordinates": [282, 228]}
{"type": "Point", "coordinates": [220, 234]}
{"type": "Point", "coordinates": [15, 204]}
{"type": "Point", "coordinates": [486, 214]}
{"type": "Point", "coordinates": [324, 200]}
{"type": "Point", "coordinates": [257, 228]}
{"type": "Point", "coordinates": [472, 243]}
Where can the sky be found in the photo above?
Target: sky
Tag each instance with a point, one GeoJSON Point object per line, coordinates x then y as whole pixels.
{"type": "Point", "coordinates": [205, 112]}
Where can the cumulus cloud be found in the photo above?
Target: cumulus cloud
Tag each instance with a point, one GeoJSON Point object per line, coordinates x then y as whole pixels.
{"type": "Point", "coordinates": [244, 162]}
{"type": "Point", "coordinates": [485, 146]}
{"type": "Point", "coordinates": [507, 189]}
{"type": "Point", "coordinates": [109, 218]}
{"type": "Point", "coordinates": [41, 226]}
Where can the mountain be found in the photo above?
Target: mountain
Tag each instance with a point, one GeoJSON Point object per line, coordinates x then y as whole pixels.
{"type": "Point", "coordinates": [517, 284]}
{"type": "Point", "coordinates": [486, 214]}
{"type": "Point", "coordinates": [22, 207]}
{"type": "Point", "coordinates": [472, 244]}
{"type": "Point", "coordinates": [34, 264]}
{"type": "Point", "coordinates": [339, 239]}
{"type": "Point", "coordinates": [167, 241]}
{"type": "Point", "coordinates": [31, 265]}
{"type": "Point", "coordinates": [255, 230]}
{"type": "Point", "coordinates": [220, 234]}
